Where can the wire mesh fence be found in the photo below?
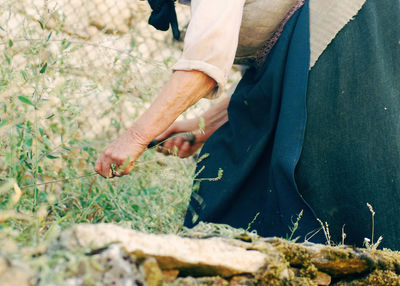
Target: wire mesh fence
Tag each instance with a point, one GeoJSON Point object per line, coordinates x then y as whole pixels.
{"type": "Point", "coordinates": [73, 75]}
{"type": "Point", "coordinates": [100, 53]}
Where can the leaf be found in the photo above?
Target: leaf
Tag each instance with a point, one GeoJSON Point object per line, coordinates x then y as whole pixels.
{"type": "Point", "coordinates": [26, 100]}
{"type": "Point", "coordinates": [67, 45]}
{"type": "Point", "coordinates": [10, 43]}
{"type": "Point", "coordinates": [3, 82]}
{"type": "Point", "coordinates": [49, 36]}
{"type": "Point", "coordinates": [46, 141]}
{"type": "Point", "coordinates": [66, 148]}
{"type": "Point", "coordinates": [29, 165]}
{"type": "Point", "coordinates": [7, 58]}
{"type": "Point", "coordinates": [44, 67]}
{"type": "Point", "coordinates": [202, 124]}
{"type": "Point", "coordinates": [3, 122]}
{"type": "Point", "coordinates": [50, 116]}
{"type": "Point", "coordinates": [41, 25]}
{"type": "Point", "coordinates": [41, 131]}
{"type": "Point", "coordinates": [28, 141]}
{"type": "Point", "coordinates": [24, 75]}
{"type": "Point", "coordinates": [51, 156]}
{"type": "Point", "coordinates": [3, 106]}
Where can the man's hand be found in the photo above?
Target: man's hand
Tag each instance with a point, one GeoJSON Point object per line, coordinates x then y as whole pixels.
{"type": "Point", "coordinates": [202, 127]}
{"type": "Point", "coordinates": [118, 158]}
{"type": "Point", "coordinates": [176, 145]}
{"type": "Point", "coordinates": [182, 90]}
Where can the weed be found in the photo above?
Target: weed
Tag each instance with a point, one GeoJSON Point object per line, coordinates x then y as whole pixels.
{"type": "Point", "coordinates": [343, 235]}
{"type": "Point", "coordinates": [294, 227]}
{"type": "Point", "coordinates": [325, 229]}
{"type": "Point", "coordinates": [58, 108]}
{"type": "Point", "coordinates": [369, 243]}
{"type": "Point", "coordinates": [252, 222]}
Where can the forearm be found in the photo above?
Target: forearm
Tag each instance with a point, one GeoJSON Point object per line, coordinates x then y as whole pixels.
{"type": "Point", "coordinates": [216, 116]}
{"type": "Point", "coordinates": [183, 90]}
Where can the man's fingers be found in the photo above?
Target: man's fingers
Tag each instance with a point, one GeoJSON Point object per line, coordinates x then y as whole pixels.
{"type": "Point", "coordinates": [105, 170]}
{"type": "Point", "coordinates": [175, 146]}
{"type": "Point", "coordinates": [97, 166]}
{"type": "Point", "coordinates": [167, 147]}
{"type": "Point", "coordinates": [128, 169]}
{"type": "Point", "coordinates": [184, 149]}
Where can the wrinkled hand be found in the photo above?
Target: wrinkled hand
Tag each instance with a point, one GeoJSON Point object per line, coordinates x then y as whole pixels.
{"type": "Point", "coordinates": [176, 145]}
{"type": "Point", "coordinates": [120, 155]}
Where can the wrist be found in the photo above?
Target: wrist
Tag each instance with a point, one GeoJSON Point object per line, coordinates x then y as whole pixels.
{"type": "Point", "coordinates": [137, 135]}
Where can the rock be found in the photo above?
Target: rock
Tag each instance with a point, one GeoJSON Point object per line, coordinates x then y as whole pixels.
{"type": "Point", "coordinates": [343, 267]}
{"type": "Point", "coordinates": [152, 273]}
{"type": "Point", "coordinates": [209, 260]}
{"type": "Point", "coordinates": [335, 261]}
{"type": "Point", "coordinates": [109, 17]}
{"type": "Point", "coordinates": [242, 281]}
{"type": "Point", "coordinates": [120, 269]}
{"type": "Point", "coordinates": [205, 281]}
{"type": "Point", "coordinates": [112, 267]}
{"type": "Point", "coordinates": [376, 278]}
{"type": "Point", "coordinates": [4, 265]}
{"type": "Point", "coordinates": [14, 274]}
{"type": "Point", "coordinates": [322, 279]}
{"type": "Point", "coordinates": [208, 257]}
{"type": "Point", "coordinates": [170, 275]}
{"type": "Point", "coordinates": [319, 278]}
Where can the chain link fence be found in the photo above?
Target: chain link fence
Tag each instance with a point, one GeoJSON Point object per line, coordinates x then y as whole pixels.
{"type": "Point", "coordinates": [102, 54]}
{"type": "Point", "coordinates": [73, 75]}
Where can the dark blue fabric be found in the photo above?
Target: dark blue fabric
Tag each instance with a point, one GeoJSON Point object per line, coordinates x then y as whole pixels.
{"type": "Point", "coordinates": [351, 152]}
{"type": "Point", "coordinates": [259, 147]}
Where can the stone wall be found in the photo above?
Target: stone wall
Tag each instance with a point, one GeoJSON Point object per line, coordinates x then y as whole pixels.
{"type": "Point", "coordinates": [122, 256]}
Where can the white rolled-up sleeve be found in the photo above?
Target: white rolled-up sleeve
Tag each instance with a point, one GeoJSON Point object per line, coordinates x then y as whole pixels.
{"type": "Point", "coordinates": [212, 38]}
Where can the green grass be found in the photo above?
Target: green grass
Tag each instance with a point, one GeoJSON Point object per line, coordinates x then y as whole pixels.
{"type": "Point", "coordinates": [48, 147]}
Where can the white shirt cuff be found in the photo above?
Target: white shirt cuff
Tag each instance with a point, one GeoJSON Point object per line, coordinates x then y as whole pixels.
{"type": "Point", "coordinates": [212, 71]}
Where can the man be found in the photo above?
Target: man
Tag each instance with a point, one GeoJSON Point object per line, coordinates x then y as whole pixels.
{"type": "Point", "coordinates": [276, 164]}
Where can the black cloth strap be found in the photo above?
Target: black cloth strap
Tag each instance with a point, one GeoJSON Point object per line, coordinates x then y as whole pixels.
{"type": "Point", "coordinates": [163, 15]}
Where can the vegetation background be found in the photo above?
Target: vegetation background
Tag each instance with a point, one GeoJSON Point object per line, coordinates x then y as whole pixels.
{"type": "Point", "coordinates": [73, 75]}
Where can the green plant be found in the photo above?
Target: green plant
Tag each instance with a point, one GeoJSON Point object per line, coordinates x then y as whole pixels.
{"type": "Point", "coordinates": [48, 143]}
{"type": "Point", "coordinates": [294, 227]}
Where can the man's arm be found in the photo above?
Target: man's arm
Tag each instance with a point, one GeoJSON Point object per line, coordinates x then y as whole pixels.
{"type": "Point", "coordinates": [213, 118]}
{"type": "Point", "coordinates": [182, 90]}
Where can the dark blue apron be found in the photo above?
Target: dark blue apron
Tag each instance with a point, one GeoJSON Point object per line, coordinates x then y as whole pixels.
{"type": "Point", "coordinates": [351, 150]}
{"type": "Point", "coordinates": [260, 145]}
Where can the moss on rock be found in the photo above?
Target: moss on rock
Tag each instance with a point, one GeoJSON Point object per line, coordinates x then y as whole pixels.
{"type": "Point", "coordinates": [376, 278]}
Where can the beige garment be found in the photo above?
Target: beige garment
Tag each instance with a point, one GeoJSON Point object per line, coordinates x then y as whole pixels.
{"type": "Point", "coordinates": [221, 32]}
{"type": "Point", "coordinates": [234, 30]}
{"type": "Point", "coordinates": [212, 38]}
{"type": "Point", "coordinates": [260, 20]}
{"type": "Point", "coordinates": [327, 18]}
